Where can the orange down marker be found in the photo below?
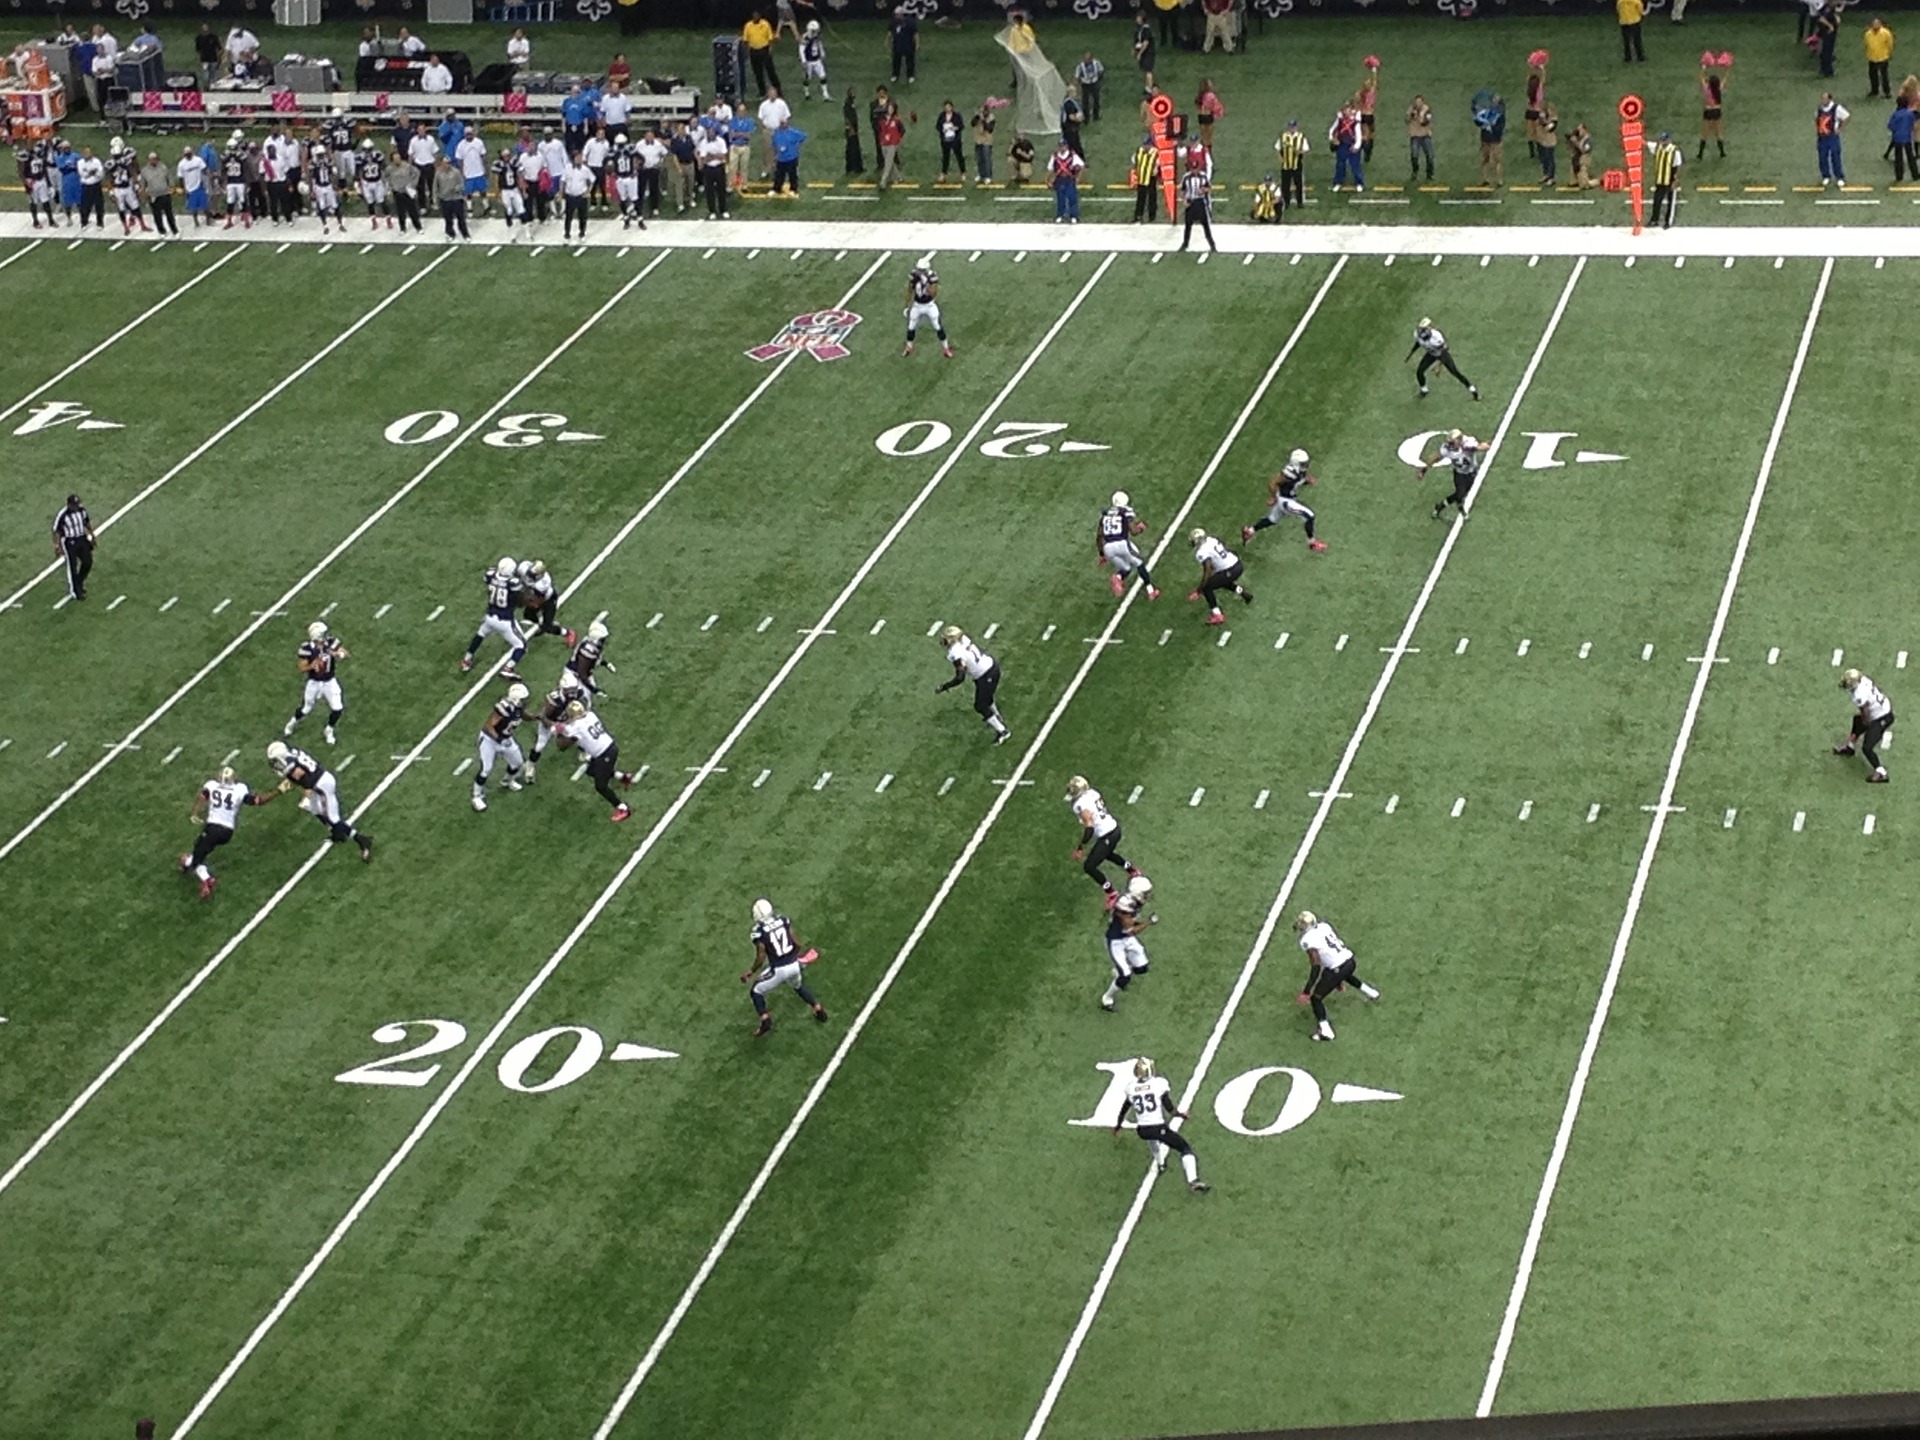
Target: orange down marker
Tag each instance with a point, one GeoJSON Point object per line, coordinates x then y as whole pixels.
{"type": "Point", "coordinates": [1633, 141]}
{"type": "Point", "coordinates": [1161, 109]}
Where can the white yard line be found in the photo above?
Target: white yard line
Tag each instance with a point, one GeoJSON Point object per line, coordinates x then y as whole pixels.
{"type": "Point", "coordinates": [220, 956]}
{"type": "Point", "coordinates": [1006, 793]}
{"type": "Point", "coordinates": [1328, 799]}
{"type": "Point", "coordinates": [482, 1051]}
{"type": "Point", "coordinates": [1583, 1068]}
{"type": "Point", "coordinates": [20, 254]}
{"type": "Point", "coordinates": [118, 335]}
{"type": "Point", "coordinates": [58, 566]}
{"type": "Point", "coordinates": [353, 536]}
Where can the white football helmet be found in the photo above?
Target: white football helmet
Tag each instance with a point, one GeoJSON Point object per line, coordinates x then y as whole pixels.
{"type": "Point", "coordinates": [1120, 499]}
{"type": "Point", "coordinates": [226, 774]}
{"type": "Point", "coordinates": [1143, 1069]}
{"type": "Point", "coordinates": [762, 911]}
{"type": "Point", "coordinates": [572, 684]}
{"type": "Point", "coordinates": [507, 568]}
{"type": "Point", "coordinates": [1305, 921]}
{"type": "Point", "coordinates": [276, 752]}
{"type": "Point", "coordinates": [1195, 536]}
{"type": "Point", "coordinates": [1077, 786]}
{"type": "Point", "coordinates": [517, 693]}
{"type": "Point", "coordinates": [596, 631]}
{"type": "Point", "coordinates": [813, 27]}
{"type": "Point", "coordinates": [951, 635]}
{"type": "Point", "coordinates": [1298, 457]}
{"type": "Point", "coordinates": [1850, 678]}
{"type": "Point", "coordinates": [237, 137]}
{"type": "Point", "coordinates": [1139, 887]}
{"type": "Point", "coordinates": [317, 631]}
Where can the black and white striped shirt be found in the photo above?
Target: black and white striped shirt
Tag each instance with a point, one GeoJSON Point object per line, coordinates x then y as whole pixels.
{"type": "Point", "coordinates": [72, 523]}
{"type": "Point", "coordinates": [1194, 187]}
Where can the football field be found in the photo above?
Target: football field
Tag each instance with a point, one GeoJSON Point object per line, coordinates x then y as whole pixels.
{"type": "Point", "coordinates": [475, 1139]}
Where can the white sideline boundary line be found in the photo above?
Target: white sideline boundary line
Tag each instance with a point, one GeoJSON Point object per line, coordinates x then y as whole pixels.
{"type": "Point", "coordinates": [412, 757]}
{"type": "Point", "coordinates": [952, 878]}
{"type": "Point", "coordinates": [613, 887]}
{"type": "Point", "coordinates": [118, 335]}
{"type": "Point", "coordinates": [1603, 1006]}
{"type": "Point", "coordinates": [1328, 799]}
{"type": "Point", "coordinates": [232, 425]}
{"type": "Point", "coordinates": [352, 537]}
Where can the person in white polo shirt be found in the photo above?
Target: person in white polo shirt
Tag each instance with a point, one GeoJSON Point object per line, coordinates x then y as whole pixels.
{"type": "Point", "coordinates": [616, 110]}
{"type": "Point", "coordinates": [519, 49]}
{"type": "Point", "coordinates": [436, 79]}
{"type": "Point", "coordinates": [1872, 718]}
{"type": "Point", "coordinates": [471, 155]}
{"type": "Point", "coordinates": [773, 113]}
{"type": "Point", "coordinates": [576, 184]}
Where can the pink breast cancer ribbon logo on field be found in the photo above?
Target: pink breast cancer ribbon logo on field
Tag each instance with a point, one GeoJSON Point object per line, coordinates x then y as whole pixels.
{"type": "Point", "coordinates": [821, 333]}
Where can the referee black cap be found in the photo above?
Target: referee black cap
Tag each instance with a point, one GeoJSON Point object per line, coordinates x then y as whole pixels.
{"type": "Point", "coordinates": [73, 499]}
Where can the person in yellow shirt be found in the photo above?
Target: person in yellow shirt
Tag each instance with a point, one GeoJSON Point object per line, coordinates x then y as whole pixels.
{"type": "Point", "coordinates": [758, 36]}
{"type": "Point", "coordinates": [1630, 14]}
{"type": "Point", "coordinates": [1878, 41]}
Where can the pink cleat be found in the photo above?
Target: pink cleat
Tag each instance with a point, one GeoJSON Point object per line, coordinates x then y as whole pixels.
{"type": "Point", "coordinates": [1246, 533]}
{"type": "Point", "coordinates": [1216, 618]}
{"type": "Point", "coordinates": [1117, 585]}
{"type": "Point", "coordinates": [1152, 594]}
{"type": "Point", "coordinates": [1319, 547]}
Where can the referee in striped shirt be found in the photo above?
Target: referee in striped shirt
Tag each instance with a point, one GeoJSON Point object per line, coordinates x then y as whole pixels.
{"type": "Point", "coordinates": [1292, 149]}
{"type": "Point", "coordinates": [1663, 164]}
{"type": "Point", "coordinates": [1197, 191]}
{"type": "Point", "coordinates": [73, 542]}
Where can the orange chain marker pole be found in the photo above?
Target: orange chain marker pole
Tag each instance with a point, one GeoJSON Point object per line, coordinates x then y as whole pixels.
{"type": "Point", "coordinates": [1161, 109]}
{"type": "Point", "coordinates": [1633, 141]}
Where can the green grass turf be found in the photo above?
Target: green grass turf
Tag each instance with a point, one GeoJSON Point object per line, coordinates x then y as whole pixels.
{"type": "Point", "coordinates": [1302, 68]}
{"type": "Point", "coordinates": [924, 1248]}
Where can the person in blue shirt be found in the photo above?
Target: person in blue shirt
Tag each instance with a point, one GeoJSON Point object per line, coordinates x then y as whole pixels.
{"type": "Point", "coordinates": [786, 159]}
{"type": "Point", "coordinates": [402, 133]}
{"type": "Point", "coordinates": [1900, 126]}
{"type": "Point", "coordinates": [739, 145]}
{"type": "Point", "coordinates": [451, 132]}
{"type": "Point", "coordinates": [210, 157]}
{"type": "Point", "coordinates": [1490, 118]}
{"type": "Point", "coordinates": [576, 114]}
{"type": "Point", "coordinates": [68, 164]}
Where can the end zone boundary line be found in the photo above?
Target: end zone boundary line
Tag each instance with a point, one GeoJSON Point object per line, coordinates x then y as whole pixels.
{"type": "Point", "coordinates": [1616, 962]}
{"type": "Point", "coordinates": [814, 1094]}
{"type": "Point", "coordinates": [1110, 1267]}
{"type": "Point", "coordinates": [482, 1051]}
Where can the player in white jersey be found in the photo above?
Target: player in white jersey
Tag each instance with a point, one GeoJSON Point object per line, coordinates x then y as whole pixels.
{"type": "Point", "coordinates": [497, 742]}
{"type": "Point", "coordinates": [503, 587]}
{"type": "Point", "coordinates": [777, 961]}
{"type": "Point", "coordinates": [1124, 923]}
{"type": "Point", "coordinates": [1150, 1107]}
{"type": "Point", "coordinates": [1113, 544]}
{"type": "Point", "coordinates": [970, 662]}
{"type": "Point", "coordinates": [1461, 452]}
{"type": "Point", "coordinates": [1099, 837]}
{"type": "Point", "coordinates": [539, 601]}
{"type": "Point", "coordinates": [923, 304]}
{"type": "Point", "coordinates": [580, 726]}
{"type": "Point", "coordinates": [1283, 500]}
{"type": "Point", "coordinates": [223, 796]}
{"type": "Point", "coordinates": [553, 710]}
{"type": "Point", "coordinates": [1872, 718]}
{"type": "Point", "coordinates": [321, 797]}
{"type": "Point", "coordinates": [1330, 965]}
{"type": "Point", "coordinates": [1220, 569]}
{"type": "Point", "coordinates": [1434, 345]}
{"type": "Point", "coordinates": [319, 660]}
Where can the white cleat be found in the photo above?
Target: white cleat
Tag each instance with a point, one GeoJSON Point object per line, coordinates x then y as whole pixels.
{"type": "Point", "coordinates": [328, 732]}
{"type": "Point", "coordinates": [527, 772]}
{"type": "Point", "coordinates": [287, 729]}
{"type": "Point", "coordinates": [479, 802]}
{"type": "Point", "coordinates": [1106, 1003]}
{"type": "Point", "coordinates": [512, 784]}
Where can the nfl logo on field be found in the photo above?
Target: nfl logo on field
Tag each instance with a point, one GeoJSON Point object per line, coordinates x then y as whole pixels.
{"type": "Point", "coordinates": [821, 333]}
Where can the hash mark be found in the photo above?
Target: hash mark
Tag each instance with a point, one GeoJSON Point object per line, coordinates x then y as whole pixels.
{"type": "Point", "coordinates": [1799, 821]}
{"type": "Point", "coordinates": [172, 755]}
{"type": "Point", "coordinates": [381, 613]}
{"type": "Point", "coordinates": [1281, 643]}
{"type": "Point", "coordinates": [1260, 800]}
{"type": "Point", "coordinates": [1393, 804]}
{"type": "Point", "coordinates": [710, 622]}
{"type": "Point", "coordinates": [332, 605]}
{"type": "Point", "coordinates": [170, 604]}
{"type": "Point", "coordinates": [761, 628]}
{"type": "Point", "coordinates": [1197, 796]}
{"type": "Point", "coordinates": [1726, 820]}
{"type": "Point", "coordinates": [821, 783]}
{"type": "Point", "coordinates": [1593, 812]}
{"type": "Point", "coordinates": [230, 757]}
{"type": "Point", "coordinates": [1459, 804]}
{"type": "Point", "coordinates": [1341, 643]}
{"type": "Point", "coordinates": [1525, 645]}
{"type": "Point", "coordinates": [1526, 808]}
{"type": "Point", "coordinates": [1046, 634]}
{"type": "Point", "coordinates": [438, 611]}
{"type": "Point", "coordinates": [56, 749]}
{"type": "Point", "coordinates": [885, 780]}
{"type": "Point", "coordinates": [461, 768]}
{"type": "Point", "coordinates": [1225, 635]}
{"type": "Point", "coordinates": [349, 760]}
{"type": "Point", "coordinates": [1461, 648]}
{"type": "Point", "coordinates": [947, 785]}
{"type": "Point", "coordinates": [658, 616]}
{"type": "Point", "coordinates": [119, 600]}
{"type": "Point", "coordinates": [1134, 794]}
{"type": "Point", "coordinates": [988, 635]}
{"type": "Point", "coordinates": [878, 626]}
{"type": "Point", "coordinates": [1586, 648]}
{"type": "Point", "coordinates": [761, 778]}
{"type": "Point", "coordinates": [1646, 652]}
{"type": "Point", "coordinates": [1773, 655]}
{"type": "Point", "coordinates": [1866, 826]}
{"type": "Point", "coordinates": [933, 629]}
{"type": "Point", "coordinates": [1899, 661]}
{"type": "Point", "coordinates": [223, 605]}
{"type": "Point", "coordinates": [1837, 656]}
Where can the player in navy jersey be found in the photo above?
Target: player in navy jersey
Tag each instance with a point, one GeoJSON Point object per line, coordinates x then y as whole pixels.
{"type": "Point", "coordinates": [1283, 500]}
{"type": "Point", "coordinates": [777, 961]}
{"type": "Point", "coordinates": [1113, 545]}
{"type": "Point", "coordinates": [923, 303]}
{"type": "Point", "coordinates": [319, 660]}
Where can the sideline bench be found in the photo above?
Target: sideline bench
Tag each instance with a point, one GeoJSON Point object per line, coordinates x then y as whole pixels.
{"type": "Point", "coordinates": [207, 109]}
